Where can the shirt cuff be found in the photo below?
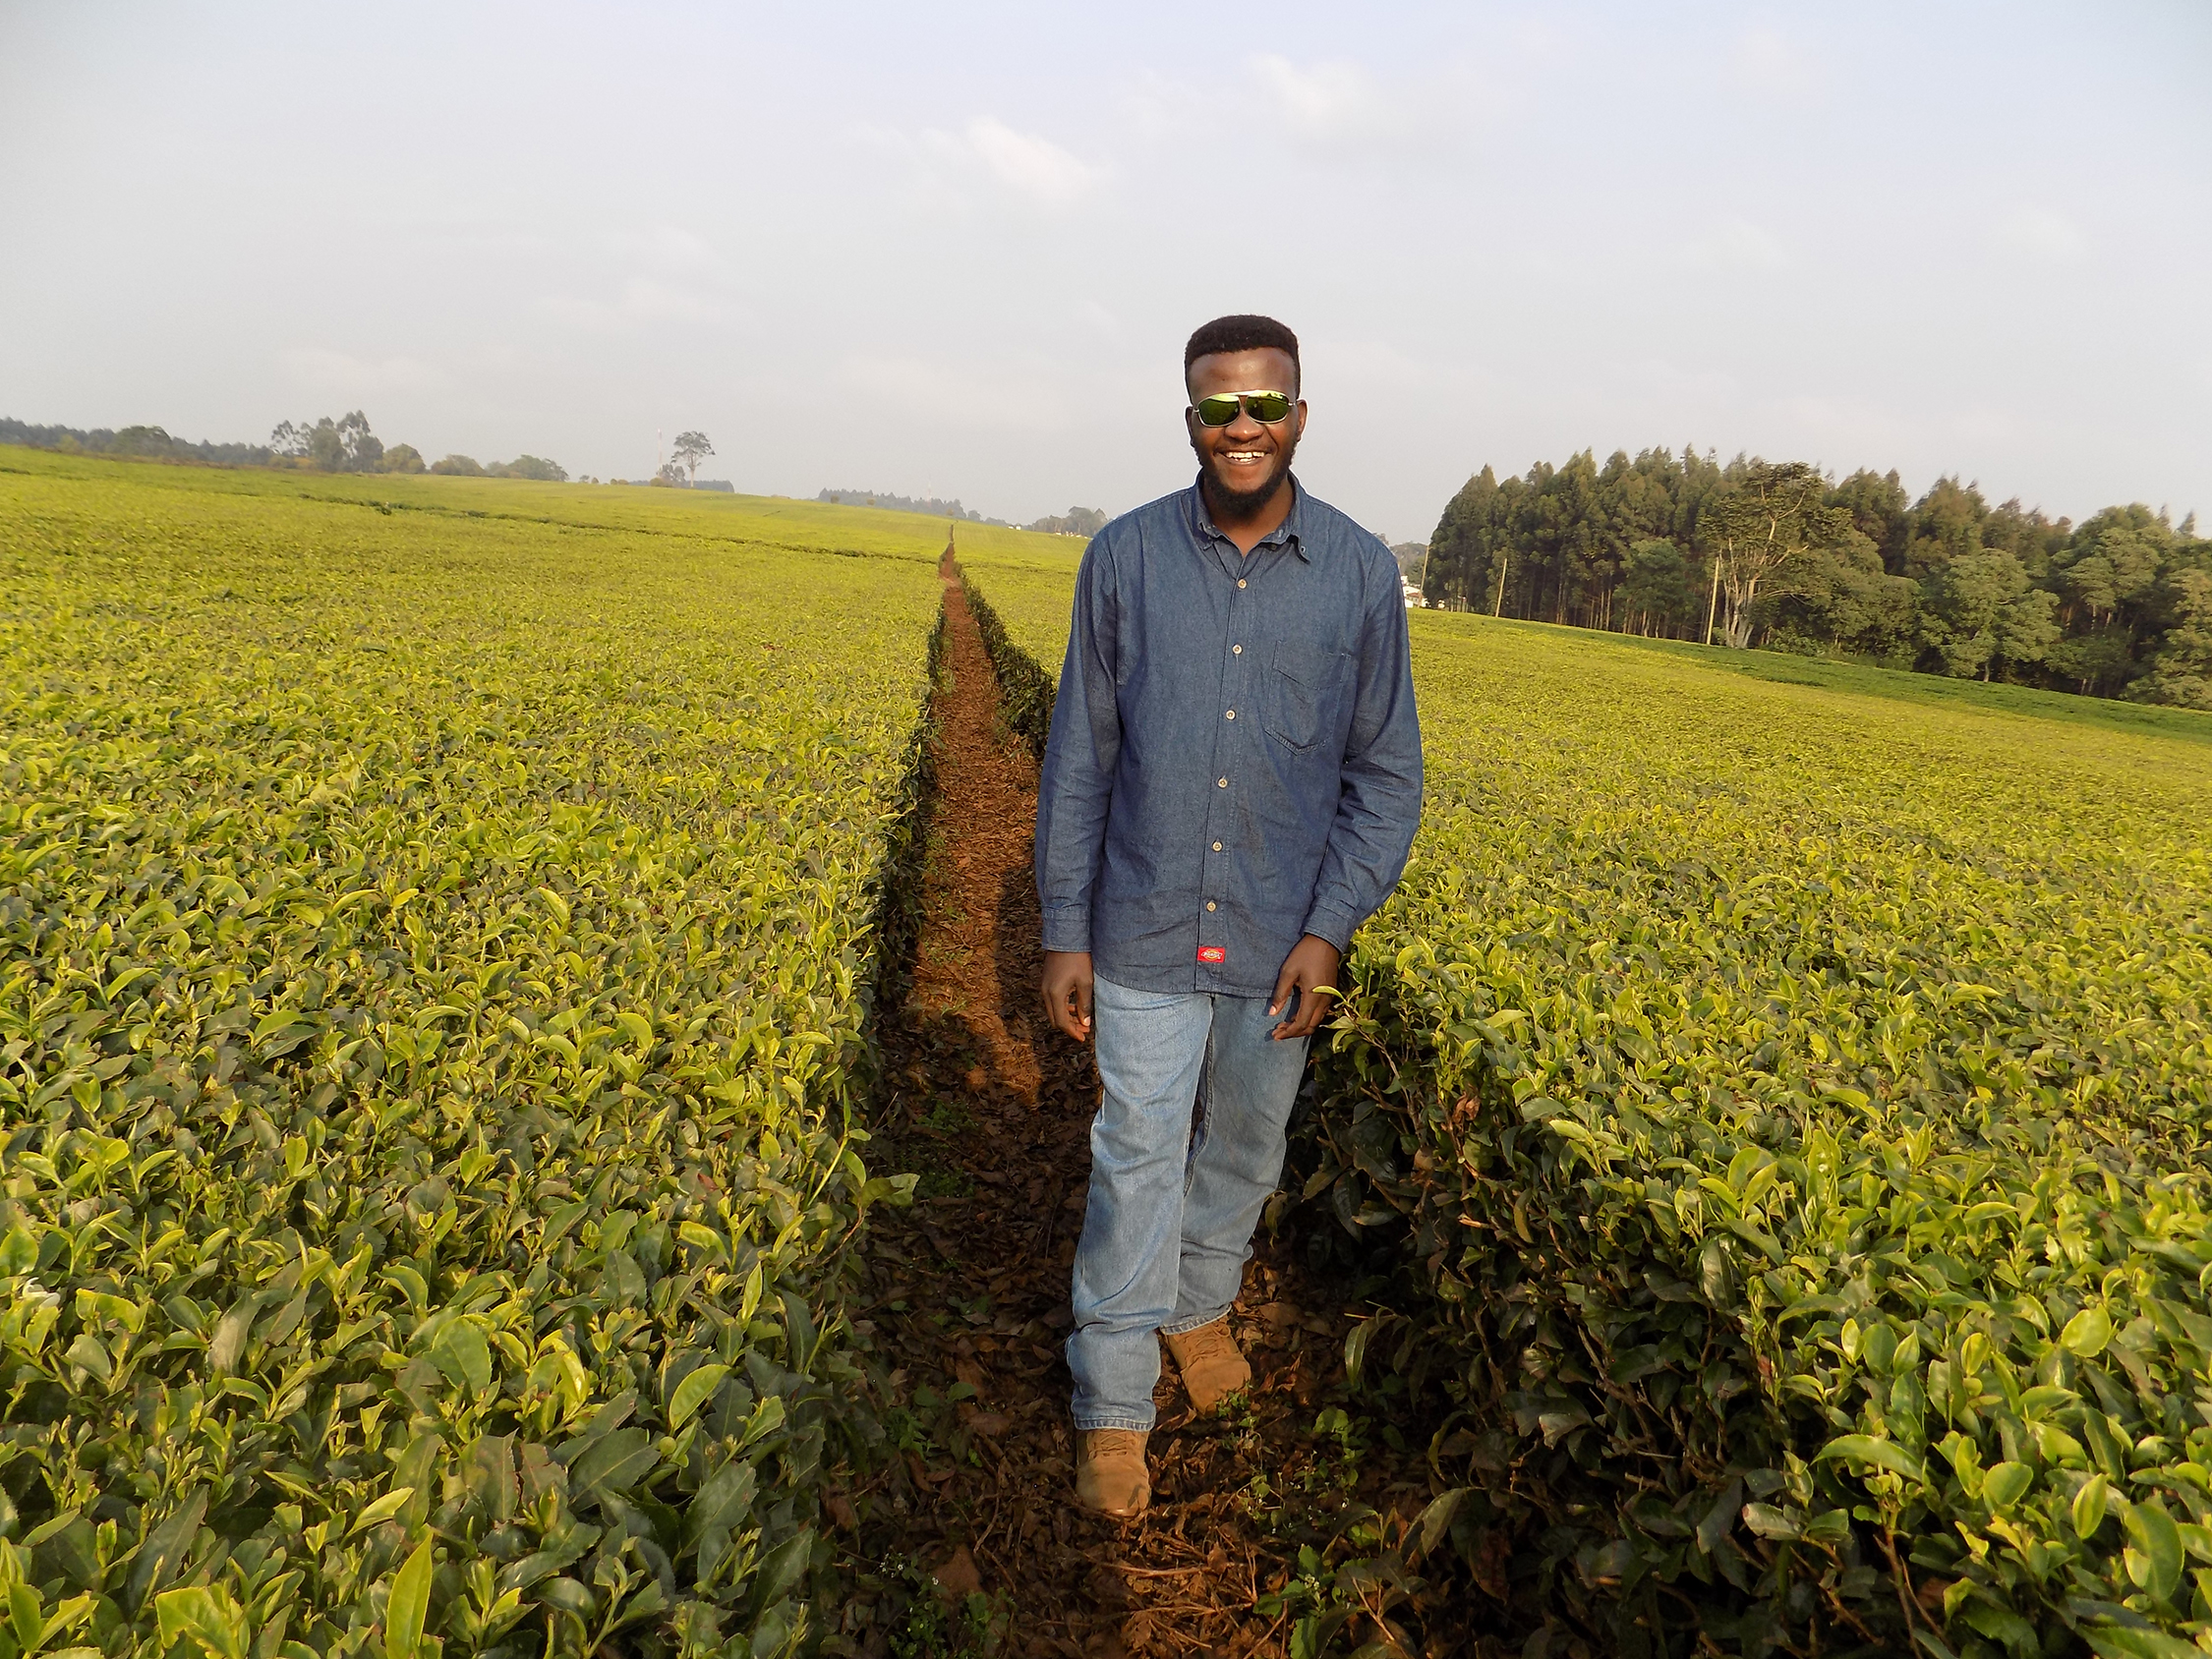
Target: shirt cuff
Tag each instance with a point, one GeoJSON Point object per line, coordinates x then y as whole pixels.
{"type": "Point", "coordinates": [1333, 922]}
{"type": "Point", "coordinates": [1067, 928]}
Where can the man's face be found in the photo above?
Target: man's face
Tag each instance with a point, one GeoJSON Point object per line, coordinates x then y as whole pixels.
{"type": "Point", "coordinates": [1246, 461]}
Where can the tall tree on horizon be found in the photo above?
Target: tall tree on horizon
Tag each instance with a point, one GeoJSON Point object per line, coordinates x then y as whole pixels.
{"type": "Point", "coordinates": [690, 449]}
{"type": "Point", "coordinates": [1770, 514]}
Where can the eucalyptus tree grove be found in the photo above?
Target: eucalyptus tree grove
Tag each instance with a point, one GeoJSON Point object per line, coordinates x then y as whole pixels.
{"type": "Point", "coordinates": [1781, 555]}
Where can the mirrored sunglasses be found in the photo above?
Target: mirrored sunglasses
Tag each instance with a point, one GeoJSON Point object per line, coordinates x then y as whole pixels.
{"type": "Point", "coordinates": [1264, 407]}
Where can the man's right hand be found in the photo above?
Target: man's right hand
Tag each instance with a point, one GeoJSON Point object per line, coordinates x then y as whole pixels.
{"type": "Point", "coordinates": [1066, 992]}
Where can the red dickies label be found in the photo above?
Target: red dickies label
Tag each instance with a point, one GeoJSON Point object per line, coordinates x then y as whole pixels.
{"type": "Point", "coordinates": [1212, 954]}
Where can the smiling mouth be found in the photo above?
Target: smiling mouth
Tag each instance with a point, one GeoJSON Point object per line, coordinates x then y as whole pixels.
{"type": "Point", "coordinates": [1244, 457]}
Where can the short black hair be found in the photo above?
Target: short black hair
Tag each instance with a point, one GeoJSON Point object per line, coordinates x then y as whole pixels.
{"type": "Point", "coordinates": [1240, 333]}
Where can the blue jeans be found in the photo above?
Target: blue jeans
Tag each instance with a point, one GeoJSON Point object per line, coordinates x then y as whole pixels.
{"type": "Point", "coordinates": [1173, 1202]}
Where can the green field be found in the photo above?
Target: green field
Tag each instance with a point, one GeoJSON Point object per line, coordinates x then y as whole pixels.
{"type": "Point", "coordinates": [1031, 589]}
{"type": "Point", "coordinates": [437, 937]}
{"type": "Point", "coordinates": [438, 930]}
{"type": "Point", "coordinates": [1762, 1054]}
{"type": "Point", "coordinates": [703, 516]}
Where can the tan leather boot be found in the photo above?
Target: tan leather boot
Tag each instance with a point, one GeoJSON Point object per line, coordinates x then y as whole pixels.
{"type": "Point", "coordinates": [1110, 1473]}
{"type": "Point", "coordinates": [1213, 1367]}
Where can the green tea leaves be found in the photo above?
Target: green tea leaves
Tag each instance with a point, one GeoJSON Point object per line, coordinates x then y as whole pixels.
{"type": "Point", "coordinates": [2088, 1509]}
{"type": "Point", "coordinates": [411, 1055]}
{"type": "Point", "coordinates": [2088, 1333]}
{"type": "Point", "coordinates": [696, 1389]}
{"type": "Point", "coordinates": [2154, 1551]}
{"type": "Point", "coordinates": [408, 1606]}
{"type": "Point", "coordinates": [205, 1615]}
{"type": "Point", "coordinates": [464, 1356]}
{"type": "Point", "coordinates": [19, 1252]}
{"type": "Point", "coordinates": [2006, 1484]}
{"type": "Point", "coordinates": [1881, 1454]}
{"type": "Point", "coordinates": [384, 1507]}
{"type": "Point", "coordinates": [2136, 1641]}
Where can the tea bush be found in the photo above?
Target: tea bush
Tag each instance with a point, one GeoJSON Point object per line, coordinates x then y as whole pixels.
{"type": "Point", "coordinates": [1029, 604]}
{"type": "Point", "coordinates": [1796, 1109]}
{"type": "Point", "coordinates": [1025, 689]}
{"type": "Point", "coordinates": [434, 974]}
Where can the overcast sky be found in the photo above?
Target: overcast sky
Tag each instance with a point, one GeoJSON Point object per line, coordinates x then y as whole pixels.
{"type": "Point", "coordinates": [957, 249]}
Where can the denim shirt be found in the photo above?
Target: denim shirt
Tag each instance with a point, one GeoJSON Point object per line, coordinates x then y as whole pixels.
{"type": "Point", "coordinates": [1235, 758]}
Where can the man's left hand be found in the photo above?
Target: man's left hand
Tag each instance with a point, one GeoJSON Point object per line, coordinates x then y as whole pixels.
{"type": "Point", "coordinates": [1309, 972]}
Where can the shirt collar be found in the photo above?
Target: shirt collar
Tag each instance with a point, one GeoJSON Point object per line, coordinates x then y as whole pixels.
{"type": "Point", "coordinates": [1291, 532]}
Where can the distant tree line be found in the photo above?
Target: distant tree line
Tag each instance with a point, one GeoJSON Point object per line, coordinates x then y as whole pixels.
{"type": "Point", "coordinates": [1782, 557]}
{"type": "Point", "coordinates": [1085, 522]}
{"type": "Point", "coordinates": [522, 466]}
{"type": "Point", "coordinates": [929, 505]}
{"type": "Point", "coordinates": [341, 444]}
{"type": "Point", "coordinates": [146, 443]}
{"type": "Point", "coordinates": [1076, 521]}
{"type": "Point", "coordinates": [347, 445]}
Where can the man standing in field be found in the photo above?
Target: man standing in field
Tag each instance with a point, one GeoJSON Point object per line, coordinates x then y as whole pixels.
{"type": "Point", "coordinates": [1230, 789]}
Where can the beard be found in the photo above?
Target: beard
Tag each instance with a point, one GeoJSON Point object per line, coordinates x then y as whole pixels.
{"type": "Point", "coordinates": [1241, 503]}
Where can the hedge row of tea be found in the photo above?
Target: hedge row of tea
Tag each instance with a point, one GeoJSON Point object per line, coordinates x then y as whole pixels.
{"type": "Point", "coordinates": [1792, 1100]}
{"type": "Point", "coordinates": [435, 953]}
{"type": "Point", "coordinates": [1797, 1100]}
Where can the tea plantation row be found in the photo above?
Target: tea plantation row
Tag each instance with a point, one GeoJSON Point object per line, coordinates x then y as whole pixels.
{"type": "Point", "coordinates": [1790, 1101]}
{"type": "Point", "coordinates": [436, 940]}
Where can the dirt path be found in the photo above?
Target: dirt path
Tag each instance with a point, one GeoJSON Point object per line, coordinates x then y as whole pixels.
{"type": "Point", "coordinates": [968, 1301]}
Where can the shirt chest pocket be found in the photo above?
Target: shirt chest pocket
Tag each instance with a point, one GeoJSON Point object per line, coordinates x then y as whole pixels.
{"type": "Point", "coordinates": [1306, 688]}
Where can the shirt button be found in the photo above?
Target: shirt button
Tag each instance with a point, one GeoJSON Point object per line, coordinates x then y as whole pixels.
{"type": "Point", "coordinates": [1237, 650]}
{"type": "Point", "coordinates": [1239, 580]}
{"type": "Point", "coordinates": [1221, 784]}
{"type": "Point", "coordinates": [1210, 905]}
{"type": "Point", "coordinates": [1231, 714]}
{"type": "Point", "coordinates": [1217, 847]}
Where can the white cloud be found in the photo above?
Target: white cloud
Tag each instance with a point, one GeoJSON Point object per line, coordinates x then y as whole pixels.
{"type": "Point", "coordinates": [639, 302]}
{"type": "Point", "coordinates": [1030, 166]}
{"type": "Point", "coordinates": [1736, 245]}
{"type": "Point", "coordinates": [325, 369]}
{"type": "Point", "coordinates": [922, 165]}
{"type": "Point", "coordinates": [666, 248]}
{"type": "Point", "coordinates": [1340, 111]}
{"type": "Point", "coordinates": [1155, 108]}
{"type": "Point", "coordinates": [1325, 100]}
{"type": "Point", "coordinates": [1766, 63]}
{"type": "Point", "coordinates": [1366, 364]}
{"type": "Point", "coordinates": [1337, 111]}
{"type": "Point", "coordinates": [954, 392]}
{"type": "Point", "coordinates": [2042, 233]}
{"type": "Point", "coordinates": [949, 172]}
{"type": "Point", "coordinates": [633, 277]}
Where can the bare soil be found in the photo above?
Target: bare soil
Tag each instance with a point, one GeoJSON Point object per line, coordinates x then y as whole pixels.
{"type": "Point", "coordinates": [968, 1540]}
